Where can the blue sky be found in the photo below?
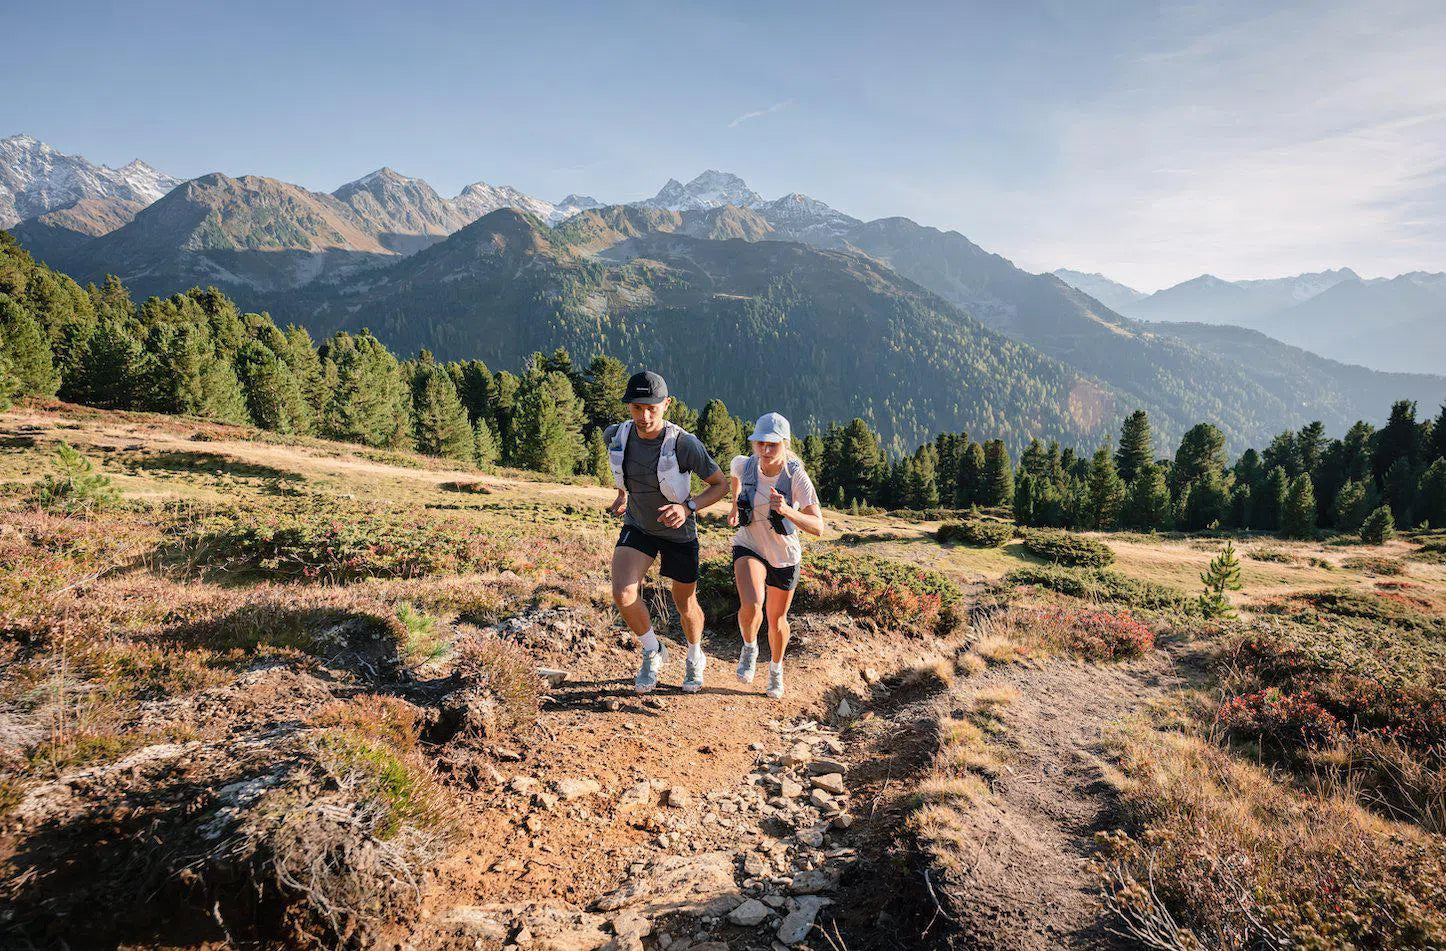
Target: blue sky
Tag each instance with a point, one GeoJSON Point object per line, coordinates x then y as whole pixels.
{"type": "Point", "coordinates": [1151, 142]}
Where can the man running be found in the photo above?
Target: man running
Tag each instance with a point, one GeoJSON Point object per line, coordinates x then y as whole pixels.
{"type": "Point", "coordinates": [652, 461]}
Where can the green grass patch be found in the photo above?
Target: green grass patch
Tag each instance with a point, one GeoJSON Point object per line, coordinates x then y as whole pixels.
{"type": "Point", "coordinates": [1064, 548]}
{"type": "Point", "coordinates": [977, 533]}
{"type": "Point", "coordinates": [1102, 585]}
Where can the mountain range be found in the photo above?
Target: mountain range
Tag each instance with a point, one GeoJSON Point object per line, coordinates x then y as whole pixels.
{"type": "Point", "coordinates": [961, 337]}
{"type": "Point", "coordinates": [1394, 323]}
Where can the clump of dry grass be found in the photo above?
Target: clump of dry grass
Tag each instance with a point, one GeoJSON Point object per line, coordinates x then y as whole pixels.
{"type": "Point", "coordinates": [1220, 854]}
{"type": "Point", "coordinates": [500, 676]}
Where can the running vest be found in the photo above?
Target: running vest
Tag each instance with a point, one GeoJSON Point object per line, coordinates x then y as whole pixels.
{"type": "Point", "coordinates": [675, 485]}
{"type": "Point", "coordinates": [749, 485]}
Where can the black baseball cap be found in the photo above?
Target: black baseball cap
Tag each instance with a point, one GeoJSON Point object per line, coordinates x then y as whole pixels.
{"type": "Point", "coordinates": [645, 386]}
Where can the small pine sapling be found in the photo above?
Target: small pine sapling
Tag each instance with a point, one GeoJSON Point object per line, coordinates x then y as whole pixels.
{"type": "Point", "coordinates": [1223, 574]}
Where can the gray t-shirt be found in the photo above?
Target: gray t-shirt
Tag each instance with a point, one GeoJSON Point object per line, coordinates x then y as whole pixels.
{"type": "Point", "coordinates": [640, 478]}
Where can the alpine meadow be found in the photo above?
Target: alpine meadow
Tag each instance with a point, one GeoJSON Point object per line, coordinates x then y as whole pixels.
{"type": "Point", "coordinates": [681, 568]}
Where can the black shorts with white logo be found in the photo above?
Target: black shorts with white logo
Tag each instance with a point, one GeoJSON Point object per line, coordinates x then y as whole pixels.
{"type": "Point", "coordinates": [679, 559]}
{"type": "Point", "coordinates": [782, 578]}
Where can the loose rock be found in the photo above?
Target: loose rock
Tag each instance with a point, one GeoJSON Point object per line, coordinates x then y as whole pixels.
{"type": "Point", "coordinates": [750, 914]}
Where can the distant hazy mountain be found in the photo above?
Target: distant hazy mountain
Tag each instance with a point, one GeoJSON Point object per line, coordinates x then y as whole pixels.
{"type": "Point", "coordinates": [36, 179]}
{"type": "Point", "coordinates": [1208, 299]}
{"type": "Point", "coordinates": [1112, 294]}
{"type": "Point", "coordinates": [1394, 324]}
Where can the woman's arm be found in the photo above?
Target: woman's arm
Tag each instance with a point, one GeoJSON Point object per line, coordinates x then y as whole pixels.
{"type": "Point", "coordinates": [809, 518]}
{"type": "Point", "coordinates": [734, 485]}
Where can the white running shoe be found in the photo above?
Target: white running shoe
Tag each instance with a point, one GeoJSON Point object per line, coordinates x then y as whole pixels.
{"type": "Point", "coordinates": [748, 662]}
{"type": "Point", "coordinates": [693, 672]}
{"type": "Point", "coordinates": [775, 684]}
{"type": "Point", "coordinates": [652, 667]}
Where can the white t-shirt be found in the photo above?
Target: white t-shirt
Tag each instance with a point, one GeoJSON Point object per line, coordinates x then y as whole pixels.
{"type": "Point", "coordinates": [780, 551]}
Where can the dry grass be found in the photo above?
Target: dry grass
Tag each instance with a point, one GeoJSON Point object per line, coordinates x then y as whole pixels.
{"type": "Point", "coordinates": [1221, 854]}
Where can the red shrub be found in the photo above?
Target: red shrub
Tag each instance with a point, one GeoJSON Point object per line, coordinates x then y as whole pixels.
{"type": "Point", "coordinates": [1098, 635]}
{"type": "Point", "coordinates": [1291, 719]}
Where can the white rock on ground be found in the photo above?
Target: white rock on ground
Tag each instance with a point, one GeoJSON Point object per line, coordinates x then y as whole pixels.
{"type": "Point", "coordinates": [797, 924]}
{"type": "Point", "coordinates": [577, 788]}
{"type": "Point", "coordinates": [831, 783]}
{"type": "Point", "coordinates": [750, 914]}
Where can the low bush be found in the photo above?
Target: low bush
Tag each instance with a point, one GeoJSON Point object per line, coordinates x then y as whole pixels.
{"type": "Point", "coordinates": [1063, 548]}
{"type": "Point", "coordinates": [888, 593]}
{"type": "Point", "coordinates": [1095, 635]}
{"type": "Point", "coordinates": [1380, 607]}
{"type": "Point", "coordinates": [1374, 565]}
{"type": "Point", "coordinates": [1291, 720]}
{"type": "Point", "coordinates": [75, 487]}
{"type": "Point", "coordinates": [1271, 554]}
{"type": "Point", "coordinates": [978, 533]}
{"type": "Point", "coordinates": [1105, 586]}
{"type": "Point", "coordinates": [320, 539]}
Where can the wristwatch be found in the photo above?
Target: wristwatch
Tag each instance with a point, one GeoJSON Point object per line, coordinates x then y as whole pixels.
{"type": "Point", "coordinates": [692, 506]}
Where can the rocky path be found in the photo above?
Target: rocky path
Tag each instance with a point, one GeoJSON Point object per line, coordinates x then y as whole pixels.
{"type": "Point", "coordinates": [687, 820]}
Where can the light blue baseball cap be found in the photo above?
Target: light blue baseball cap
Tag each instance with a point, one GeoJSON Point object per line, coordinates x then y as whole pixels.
{"type": "Point", "coordinates": [771, 427]}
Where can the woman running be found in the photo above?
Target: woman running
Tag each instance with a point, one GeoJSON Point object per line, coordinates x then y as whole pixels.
{"type": "Point", "coordinates": [773, 498]}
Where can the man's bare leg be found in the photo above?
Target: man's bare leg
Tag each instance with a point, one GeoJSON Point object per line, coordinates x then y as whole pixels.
{"type": "Point", "coordinates": [629, 567]}
{"type": "Point", "coordinates": [685, 596]}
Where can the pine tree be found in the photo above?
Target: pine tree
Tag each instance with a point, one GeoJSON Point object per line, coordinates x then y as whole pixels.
{"type": "Point", "coordinates": [1034, 460]}
{"type": "Point", "coordinates": [1310, 443]}
{"type": "Point", "coordinates": [9, 383]}
{"type": "Point", "coordinates": [718, 432]}
{"type": "Point", "coordinates": [273, 399]}
{"type": "Point", "coordinates": [1222, 575]}
{"type": "Point", "coordinates": [603, 388]}
{"type": "Point", "coordinates": [311, 382]}
{"type": "Point", "coordinates": [1206, 502]}
{"type": "Point", "coordinates": [112, 367]}
{"type": "Point", "coordinates": [680, 414]}
{"type": "Point", "coordinates": [969, 487]}
{"type": "Point", "coordinates": [1106, 490]}
{"type": "Point", "coordinates": [1297, 519]}
{"type": "Point", "coordinates": [27, 350]}
{"type": "Point", "coordinates": [922, 481]}
{"type": "Point", "coordinates": [597, 459]}
{"type": "Point", "coordinates": [810, 450]}
{"type": "Point", "coordinates": [998, 474]}
{"type": "Point", "coordinates": [546, 442]}
{"type": "Point", "coordinates": [369, 403]}
{"type": "Point", "coordinates": [1201, 451]}
{"type": "Point", "coordinates": [1283, 453]}
{"type": "Point", "coordinates": [439, 420]}
{"type": "Point", "coordinates": [484, 445]}
{"type": "Point", "coordinates": [1399, 488]}
{"type": "Point", "coordinates": [1024, 497]}
{"type": "Point", "coordinates": [1379, 527]}
{"type": "Point", "coordinates": [1135, 445]}
{"type": "Point", "coordinates": [504, 407]}
{"type": "Point", "coordinates": [1147, 503]}
{"type": "Point", "coordinates": [858, 460]}
{"type": "Point", "coordinates": [1268, 506]}
{"type": "Point", "coordinates": [1437, 446]}
{"type": "Point", "coordinates": [1431, 494]}
{"type": "Point", "coordinates": [1352, 506]}
{"type": "Point", "coordinates": [475, 386]}
{"type": "Point", "coordinates": [1398, 440]}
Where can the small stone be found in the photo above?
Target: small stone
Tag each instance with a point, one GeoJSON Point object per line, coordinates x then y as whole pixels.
{"type": "Point", "coordinates": [845, 709]}
{"type": "Point", "coordinates": [552, 676]}
{"type": "Point", "coordinates": [797, 754]}
{"type": "Point", "coordinates": [774, 901]}
{"type": "Point", "coordinates": [843, 821]}
{"type": "Point", "coordinates": [871, 676]}
{"type": "Point", "coordinates": [822, 767]}
{"type": "Point", "coordinates": [523, 784]}
{"type": "Point", "coordinates": [546, 800]}
{"type": "Point", "coordinates": [831, 783]}
{"type": "Point", "coordinates": [820, 799]}
{"type": "Point", "coordinates": [640, 796]}
{"type": "Point", "coordinates": [612, 705]}
{"type": "Point", "coordinates": [755, 865]}
{"type": "Point", "coordinates": [577, 788]}
{"type": "Point", "coordinates": [790, 789]}
{"type": "Point", "coordinates": [812, 881]}
{"type": "Point", "coordinates": [750, 914]}
{"type": "Point", "coordinates": [679, 797]}
{"type": "Point", "coordinates": [813, 838]}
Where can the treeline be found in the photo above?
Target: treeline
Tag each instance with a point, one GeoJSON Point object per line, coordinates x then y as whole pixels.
{"type": "Point", "coordinates": [196, 353]}
{"type": "Point", "coordinates": [1301, 482]}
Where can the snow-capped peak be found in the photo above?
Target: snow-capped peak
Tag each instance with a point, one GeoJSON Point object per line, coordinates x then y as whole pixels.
{"type": "Point", "coordinates": [712, 189]}
{"type": "Point", "coordinates": [35, 179]}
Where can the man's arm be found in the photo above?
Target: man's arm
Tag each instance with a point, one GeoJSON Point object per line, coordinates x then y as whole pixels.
{"type": "Point", "coordinates": [675, 514]}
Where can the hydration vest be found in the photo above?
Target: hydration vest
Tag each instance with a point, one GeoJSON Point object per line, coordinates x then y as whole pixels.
{"type": "Point", "coordinates": [675, 484]}
{"type": "Point", "coordinates": [748, 485]}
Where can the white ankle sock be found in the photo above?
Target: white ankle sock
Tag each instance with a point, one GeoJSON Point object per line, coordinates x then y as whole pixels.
{"type": "Point", "coordinates": [775, 666]}
{"type": "Point", "coordinates": [649, 641]}
{"type": "Point", "coordinates": [695, 652]}
{"type": "Point", "coordinates": [750, 645]}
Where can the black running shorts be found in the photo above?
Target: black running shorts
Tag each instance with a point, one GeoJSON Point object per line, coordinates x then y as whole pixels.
{"type": "Point", "coordinates": [782, 578]}
{"type": "Point", "coordinates": [679, 559]}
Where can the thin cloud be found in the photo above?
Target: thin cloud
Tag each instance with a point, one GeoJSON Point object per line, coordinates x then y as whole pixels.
{"type": "Point", "coordinates": [761, 112]}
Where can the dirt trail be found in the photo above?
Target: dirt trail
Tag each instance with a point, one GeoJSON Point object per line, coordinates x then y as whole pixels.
{"type": "Point", "coordinates": [1025, 881]}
